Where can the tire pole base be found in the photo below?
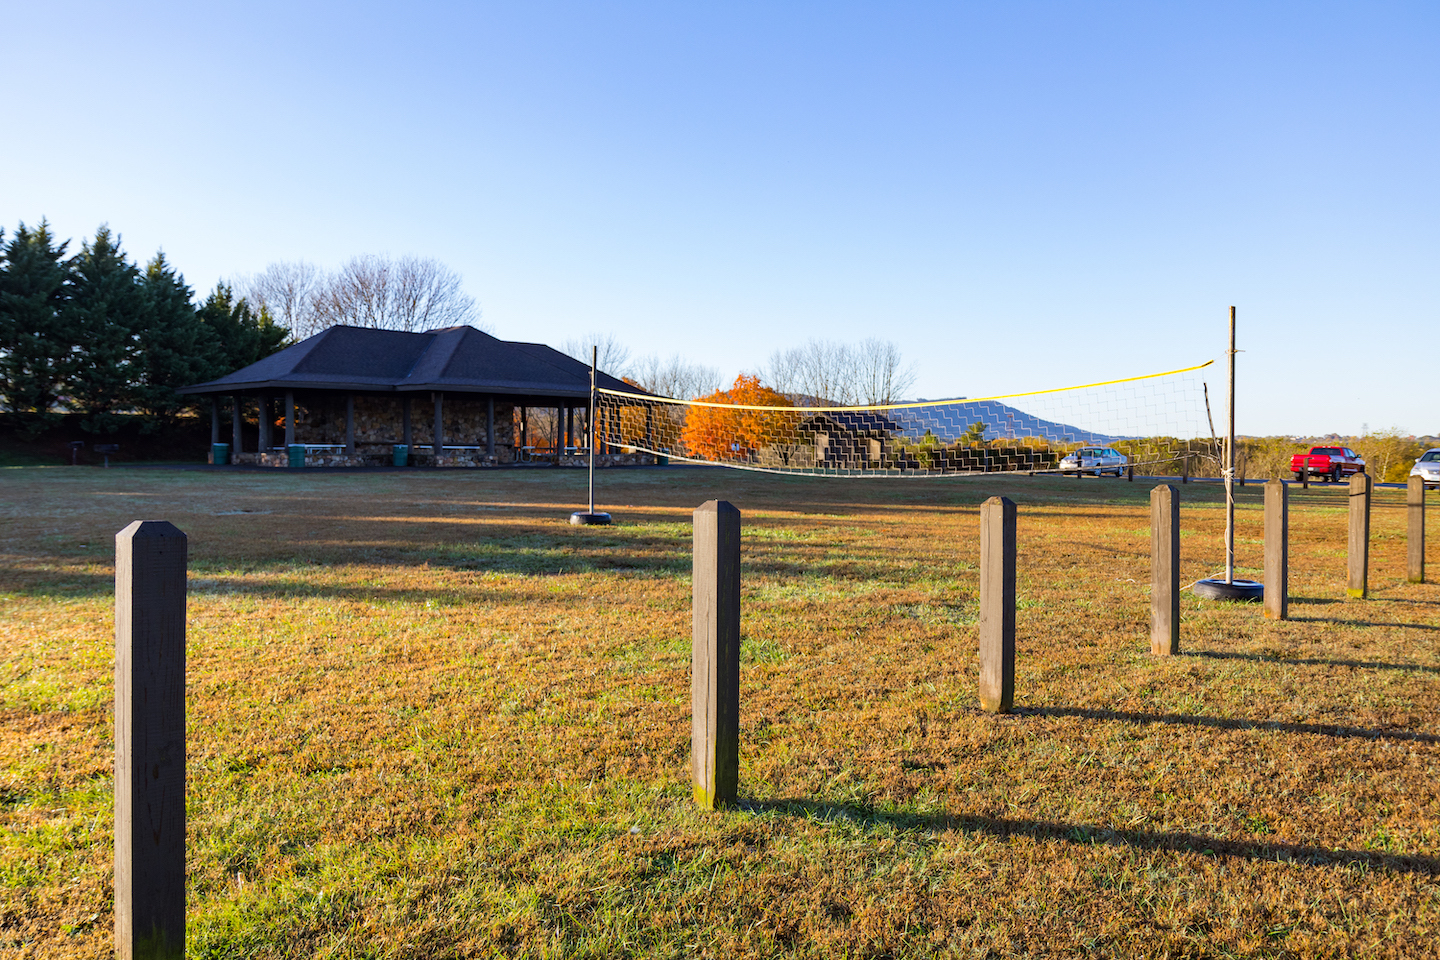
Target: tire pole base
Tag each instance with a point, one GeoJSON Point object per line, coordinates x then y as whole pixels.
{"type": "Point", "coordinates": [582, 519]}
{"type": "Point", "coordinates": [1242, 591]}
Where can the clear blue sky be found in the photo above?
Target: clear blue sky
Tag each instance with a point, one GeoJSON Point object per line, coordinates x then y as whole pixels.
{"type": "Point", "coordinates": [1020, 195]}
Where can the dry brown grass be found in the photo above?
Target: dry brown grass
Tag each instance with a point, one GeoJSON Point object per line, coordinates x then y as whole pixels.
{"type": "Point", "coordinates": [428, 718]}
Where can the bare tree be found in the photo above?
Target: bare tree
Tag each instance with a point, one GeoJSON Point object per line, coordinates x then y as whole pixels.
{"type": "Point", "coordinates": [824, 373]}
{"type": "Point", "coordinates": [613, 356]}
{"type": "Point", "coordinates": [287, 289]}
{"type": "Point", "coordinates": [409, 293]}
{"type": "Point", "coordinates": [675, 377]}
{"type": "Point", "coordinates": [882, 377]}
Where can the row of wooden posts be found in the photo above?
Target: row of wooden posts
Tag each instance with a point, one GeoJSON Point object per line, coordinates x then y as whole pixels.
{"type": "Point", "coordinates": [150, 588]}
{"type": "Point", "coordinates": [715, 644]}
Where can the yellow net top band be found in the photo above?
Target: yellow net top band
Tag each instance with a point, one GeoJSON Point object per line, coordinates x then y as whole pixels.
{"type": "Point", "coordinates": [902, 406]}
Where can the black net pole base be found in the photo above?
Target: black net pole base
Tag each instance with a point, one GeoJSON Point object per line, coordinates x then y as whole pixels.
{"type": "Point", "coordinates": [582, 519]}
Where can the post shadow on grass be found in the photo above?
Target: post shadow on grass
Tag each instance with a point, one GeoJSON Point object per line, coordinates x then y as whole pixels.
{"type": "Point", "coordinates": [1313, 661]}
{"type": "Point", "coordinates": [1231, 723]}
{"type": "Point", "coordinates": [1091, 834]}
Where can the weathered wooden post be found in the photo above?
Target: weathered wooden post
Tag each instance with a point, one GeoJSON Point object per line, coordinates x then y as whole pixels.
{"type": "Point", "coordinates": [150, 558]}
{"type": "Point", "coordinates": [439, 429]}
{"type": "Point", "coordinates": [715, 655]}
{"type": "Point", "coordinates": [1164, 570]}
{"type": "Point", "coordinates": [1359, 547]}
{"type": "Point", "coordinates": [237, 420]}
{"type": "Point", "coordinates": [1415, 530]}
{"type": "Point", "coordinates": [997, 604]}
{"type": "Point", "coordinates": [1277, 550]}
{"type": "Point", "coordinates": [1185, 469]}
{"type": "Point", "coordinates": [490, 427]}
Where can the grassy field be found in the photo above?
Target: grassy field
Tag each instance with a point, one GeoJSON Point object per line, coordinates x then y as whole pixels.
{"type": "Point", "coordinates": [427, 718]}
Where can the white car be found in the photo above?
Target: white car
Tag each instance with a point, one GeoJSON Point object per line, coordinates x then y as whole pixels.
{"type": "Point", "coordinates": [1100, 460]}
{"type": "Point", "coordinates": [1427, 468]}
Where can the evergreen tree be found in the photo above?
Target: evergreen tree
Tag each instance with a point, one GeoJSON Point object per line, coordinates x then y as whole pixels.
{"type": "Point", "coordinates": [34, 346]}
{"type": "Point", "coordinates": [106, 312]}
{"type": "Point", "coordinates": [242, 335]}
{"type": "Point", "coordinates": [174, 348]}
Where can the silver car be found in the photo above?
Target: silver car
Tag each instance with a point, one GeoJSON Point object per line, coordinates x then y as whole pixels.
{"type": "Point", "coordinates": [1100, 460]}
{"type": "Point", "coordinates": [1427, 468]}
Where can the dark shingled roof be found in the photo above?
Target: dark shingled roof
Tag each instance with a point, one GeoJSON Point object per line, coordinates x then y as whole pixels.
{"type": "Point", "coordinates": [453, 359]}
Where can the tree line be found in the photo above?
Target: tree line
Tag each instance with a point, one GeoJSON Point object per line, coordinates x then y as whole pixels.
{"type": "Point", "coordinates": [97, 335]}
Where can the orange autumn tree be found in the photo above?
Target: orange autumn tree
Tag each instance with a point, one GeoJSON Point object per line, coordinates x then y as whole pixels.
{"type": "Point", "coordinates": [715, 433]}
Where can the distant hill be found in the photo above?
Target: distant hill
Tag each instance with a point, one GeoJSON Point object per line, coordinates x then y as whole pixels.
{"type": "Point", "coordinates": [1001, 421]}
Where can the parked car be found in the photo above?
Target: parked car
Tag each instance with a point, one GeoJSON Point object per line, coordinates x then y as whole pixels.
{"type": "Point", "coordinates": [1332, 463]}
{"type": "Point", "coordinates": [1101, 460]}
{"type": "Point", "coordinates": [1427, 468]}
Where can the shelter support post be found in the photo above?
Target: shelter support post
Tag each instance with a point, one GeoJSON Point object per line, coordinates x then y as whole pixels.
{"type": "Point", "coordinates": [715, 655]}
{"type": "Point", "coordinates": [289, 419]}
{"type": "Point", "coordinates": [265, 440]}
{"type": "Point", "coordinates": [235, 423]}
{"type": "Point", "coordinates": [406, 433]}
{"type": "Point", "coordinates": [1277, 550]}
{"type": "Point", "coordinates": [349, 424]}
{"type": "Point", "coordinates": [1359, 545]}
{"type": "Point", "coordinates": [997, 605]}
{"type": "Point", "coordinates": [1415, 530]}
{"type": "Point", "coordinates": [1164, 570]}
{"type": "Point", "coordinates": [439, 434]}
{"type": "Point", "coordinates": [214, 421]}
{"type": "Point", "coordinates": [150, 559]}
{"type": "Point", "coordinates": [490, 427]}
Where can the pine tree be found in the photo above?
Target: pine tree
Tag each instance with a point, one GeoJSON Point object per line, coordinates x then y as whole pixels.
{"type": "Point", "coordinates": [34, 346]}
{"type": "Point", "coordinates": [242, 335]}
{"type": "Point", "coordinates": [174, 348]}
{"type": "Point", "coordinates": [105, 314]}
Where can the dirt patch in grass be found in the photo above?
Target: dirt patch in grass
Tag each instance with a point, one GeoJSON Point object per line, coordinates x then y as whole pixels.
{"type": "Point", "coordinates": [429, 718]}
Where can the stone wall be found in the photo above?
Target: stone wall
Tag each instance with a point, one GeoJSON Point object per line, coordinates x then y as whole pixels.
{"type": "Point", "coordinates": [379, 424]}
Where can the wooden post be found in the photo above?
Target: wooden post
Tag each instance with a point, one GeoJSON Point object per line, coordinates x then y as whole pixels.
{"type": "Point", "coordinates": [214, 421]}
{"type": "Point", "coordinates": [150, 559]}
{"type": "Point", "coordinates": [1164, 570]}
{"type": "Point", "coordinates": [1185, 469]}
{"type": "Point", "coordinates": [439, 435]}
{"type": "Point", "coordinates": [265, 438]}
{"type": "Point", "coordinates": [1130, 473]}
{"type": "Point", "coordinates": [490, 426]}
{"type": "Point", "coordinates": [1305, 474]}
{"type": "Point", "coordinates": [1277, 550]}
{"type": "Point", "coordinates": [715, 655]}
{"type": "Point", "coordinates": [406, 433]}
{"type": "Point", "coordinates": [235, 423]}
{"type": "Point", "coordinates": [997, 604]}
{"type": "Point", "coordinates": [1415, 530]}
{"type": "Point", "coordinates": [289, 419]}
{"type": "Point", "coordinates": [1359, 547]}
{"type": "Point", "coordinates": [349, 424]}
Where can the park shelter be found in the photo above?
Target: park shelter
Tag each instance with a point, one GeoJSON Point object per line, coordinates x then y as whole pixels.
{"type": "Point", "coordinates": [454, 396]}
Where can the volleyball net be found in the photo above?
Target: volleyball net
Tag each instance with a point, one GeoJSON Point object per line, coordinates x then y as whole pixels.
{"type": "Point", "coordinates": [1158, 423]}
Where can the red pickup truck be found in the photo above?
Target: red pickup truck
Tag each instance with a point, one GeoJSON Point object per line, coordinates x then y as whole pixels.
{"type": "Point", "coordinates": [1333, 463]}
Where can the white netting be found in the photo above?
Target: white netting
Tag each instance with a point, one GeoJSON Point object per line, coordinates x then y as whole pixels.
{"type": "Point", "coordinates": [1156, 422]}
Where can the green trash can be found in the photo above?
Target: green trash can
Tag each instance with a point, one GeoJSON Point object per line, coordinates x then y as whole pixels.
{"type": "Point", "coordinates": [219, 454]}
{"type": "Point", "coordinates": [662, 461]}
{"type": "Point", "coordinates": [400, 454]}
{"type": "Point", "coordinates": [296, 454]}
